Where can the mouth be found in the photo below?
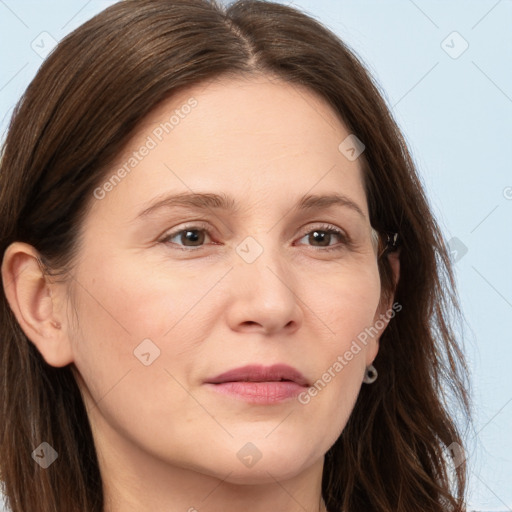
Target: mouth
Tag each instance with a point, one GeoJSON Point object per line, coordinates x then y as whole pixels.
{"type": "Point", "coordinates": [260, 384]}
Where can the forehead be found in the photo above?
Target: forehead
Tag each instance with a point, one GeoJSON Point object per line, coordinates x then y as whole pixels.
{"type": "Point", "coordinates": [256, 136]}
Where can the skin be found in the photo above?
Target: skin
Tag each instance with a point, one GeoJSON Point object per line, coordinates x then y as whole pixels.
{"type": "Point", "coordinates": [165, 441]}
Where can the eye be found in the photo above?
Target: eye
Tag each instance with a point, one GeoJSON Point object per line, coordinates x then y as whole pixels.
{"type": "Point", "coordinates": [325, 234]}
{"type": "Point", "coordinates": [189, 236]}
{"type": "Point", "coordinates": [194, 236]}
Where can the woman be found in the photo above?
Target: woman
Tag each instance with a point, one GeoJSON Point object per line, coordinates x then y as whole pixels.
{"type": "Point", "coordinates": [173, 338]}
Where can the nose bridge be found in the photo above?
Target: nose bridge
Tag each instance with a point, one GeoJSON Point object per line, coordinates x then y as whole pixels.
{"type": "Point", "coordinates": [260, 255]}
{"type": "Point", "coordinates": [266, 284]}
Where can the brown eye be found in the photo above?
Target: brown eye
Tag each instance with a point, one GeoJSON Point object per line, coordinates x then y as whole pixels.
{"type": "Point", "coordinates": [188, 237]}
{"type": "Point", "coordinates": [322, 237]}
{"type": "Point", "coordinates": [194, 236]}
{"type": "Point", "coordinates": [326, 236]}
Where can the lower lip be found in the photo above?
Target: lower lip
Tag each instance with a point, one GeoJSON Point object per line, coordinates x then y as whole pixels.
{"type": "Point", "coordinates": [260, 392]}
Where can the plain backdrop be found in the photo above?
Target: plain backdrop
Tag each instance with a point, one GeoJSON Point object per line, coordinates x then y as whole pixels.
{"type": "Point", "coordinates": [445, 70]}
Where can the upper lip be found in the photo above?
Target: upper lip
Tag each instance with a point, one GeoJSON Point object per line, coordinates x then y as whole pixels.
{"type": "Point", "coordinates": [259, 373]}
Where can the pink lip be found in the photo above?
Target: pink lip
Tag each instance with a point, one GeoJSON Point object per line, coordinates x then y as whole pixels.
{"type": "Point", "coordinates": [260, 384]}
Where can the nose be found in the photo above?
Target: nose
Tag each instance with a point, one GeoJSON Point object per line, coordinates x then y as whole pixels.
{"type": "Point", "coordinates": [262, 296]}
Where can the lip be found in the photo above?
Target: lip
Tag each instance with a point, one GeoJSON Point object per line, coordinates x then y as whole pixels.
{"type": "Point", "coordinates": [260, 384]}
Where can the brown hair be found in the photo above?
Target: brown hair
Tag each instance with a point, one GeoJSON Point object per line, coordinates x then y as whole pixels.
{"type": "Point", "coordinates": [75, 117]}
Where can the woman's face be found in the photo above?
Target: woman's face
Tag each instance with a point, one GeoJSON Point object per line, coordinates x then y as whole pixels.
{"type": "Point", "coordinates": [173, 288]}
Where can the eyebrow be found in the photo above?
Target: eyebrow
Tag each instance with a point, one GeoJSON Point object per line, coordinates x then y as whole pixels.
{"type": "Point", "coordinates": [211, 201]}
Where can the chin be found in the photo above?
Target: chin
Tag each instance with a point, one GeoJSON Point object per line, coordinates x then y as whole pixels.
{"type": "Point", "coordinates": [248, 467]}
{"type": "Point", "coordinates": [261, 474]}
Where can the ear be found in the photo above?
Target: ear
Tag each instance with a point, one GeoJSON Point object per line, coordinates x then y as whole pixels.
{"type": "Point", "coordinates": [36, 303]}
{"type": "Point", "coordinates": [394, 261]}
{"type": "Point", "coordinates": [386, 309]}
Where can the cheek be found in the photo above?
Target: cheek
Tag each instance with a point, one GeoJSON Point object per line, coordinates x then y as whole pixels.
{"type": "Point", "coordinates": [136, 302]}
{"type": "Point", "coordinates": [122, 324]}
{"type": "Point", "coordinates": [346, 301]}
{"type": "Point", "coordinates": [126, 311]}
{"type": "Point", "coordinates": [346, 306]}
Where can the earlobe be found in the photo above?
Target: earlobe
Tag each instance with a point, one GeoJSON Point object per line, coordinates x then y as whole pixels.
{"type": "Point", "coordinates": [34, 302]}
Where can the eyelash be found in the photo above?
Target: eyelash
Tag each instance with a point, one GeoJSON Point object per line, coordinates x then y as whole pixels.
{"type": "Point", "coordinates": [325, 228]}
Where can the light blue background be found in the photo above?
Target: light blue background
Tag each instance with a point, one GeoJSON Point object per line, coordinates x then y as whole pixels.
{"type": "Point", "coordinates": [456, 114]}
